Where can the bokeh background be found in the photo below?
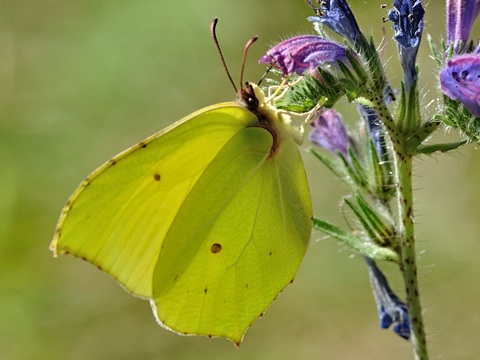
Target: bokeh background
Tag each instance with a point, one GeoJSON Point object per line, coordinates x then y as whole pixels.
{"type": "Point", "coordinates": [82, 80]}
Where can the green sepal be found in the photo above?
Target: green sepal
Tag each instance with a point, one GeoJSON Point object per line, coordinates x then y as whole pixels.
{"type": "Point", "coordinates": [402, 105]}
{"type": "Point", "coordinates": [409, 117]}
{"type": "Point", "coordinates": [457, 116]}
{"type": "Point", "coordinates": [359, 76]}
{"type": "Point", "coordinates": [382, 174]}
{"type": "Point", "coordinates": [359, 214]}
{"type": "Point", "coordinates": [355, 169]}
{"type": "Point", "coordinates": [375, 68]}
{"type": "Point", "coordinates": [355, 77]}
{"type": "Point", "coordinates": [365, 248]}
{"type": "Point", "coordinates": [437, 55]}
{"type": "Point", "coordinates": [379, 228]}
{"type": "Point", "coordinates": [310, 91]}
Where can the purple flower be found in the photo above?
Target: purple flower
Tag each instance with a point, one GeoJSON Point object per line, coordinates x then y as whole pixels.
{"type": "Point", "coordinates": [336, 14]}
{"type": "Point", "coordinates": [407, 18]}
{"type": "Point", "coordinates": [329, 133]}
{"type": "Point", "coordinates": [461, 15]}
{"type": "Point", "coordinates": [390, 308]}
{"type": "Point", "coordinates": [460, 80]}
{"type": "Point", "coordinates": [304, 52]}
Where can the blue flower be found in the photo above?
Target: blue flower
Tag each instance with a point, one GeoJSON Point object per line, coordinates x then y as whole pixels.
{"type": "Point", "coordinates": [460, 80]}
{"type": "Point", "coordinates": [374, 128]}
{"type": "Point", "coordinates": [301, 53]}
{"type": "Point", "coordinates": [390, 308]}
{"type": "Point", "coordinates": [407, 18]}
{"type": "Point", "coordinates": [336, 14]}
{"type": "Point", "coordinates": [329, 133]}
{"type": "Point", "coordinates": [461, 15]}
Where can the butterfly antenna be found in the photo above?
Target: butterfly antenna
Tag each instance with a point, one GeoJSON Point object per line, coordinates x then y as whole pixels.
{"type": "Point", "coordinates": [217, 45]}
{"type": "Point", "coordinates": [244, 59]}
{"type": "Point", "coordinates": [317, 10]}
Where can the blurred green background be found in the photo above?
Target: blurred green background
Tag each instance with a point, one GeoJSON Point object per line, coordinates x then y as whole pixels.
{"type": "Point", "coordinates": [82, 80]}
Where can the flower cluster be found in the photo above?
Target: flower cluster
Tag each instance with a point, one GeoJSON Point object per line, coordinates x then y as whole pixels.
{"type": "Point", "coordinates": [360, 161]}
{"type": "Point", "coordinates": [374, 160]}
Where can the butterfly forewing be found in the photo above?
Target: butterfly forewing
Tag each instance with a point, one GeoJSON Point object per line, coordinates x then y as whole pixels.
{"type": "Point", "coordinates": [118, 217]}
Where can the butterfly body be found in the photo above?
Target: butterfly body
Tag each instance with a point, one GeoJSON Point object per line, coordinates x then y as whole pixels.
{"type": "Point", "coordinates": [209, 219]}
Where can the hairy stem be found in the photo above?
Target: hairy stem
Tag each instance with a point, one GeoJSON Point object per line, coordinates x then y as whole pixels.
{"type": "Point", "coordinates": [406, 236]}
{"type": "Point", "coordinates": [408, 265]}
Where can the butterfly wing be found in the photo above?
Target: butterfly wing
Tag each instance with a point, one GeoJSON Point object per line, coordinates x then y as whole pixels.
{"type": "Point", "coordinates": [118, 217]}
{"type": "Point", "coordinates": [209, 219]}
{"type": "Point", "coordinates": [237, 240]}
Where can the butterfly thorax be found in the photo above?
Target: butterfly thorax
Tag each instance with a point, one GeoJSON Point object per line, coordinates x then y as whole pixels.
{"type": "Point", "coordinates": [278, 124]}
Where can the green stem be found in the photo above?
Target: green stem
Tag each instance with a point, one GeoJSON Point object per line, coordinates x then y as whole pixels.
{"type": "Point", "coordinates": [408, 265]}
{"type": "Point", "coordinates": [406, 236]}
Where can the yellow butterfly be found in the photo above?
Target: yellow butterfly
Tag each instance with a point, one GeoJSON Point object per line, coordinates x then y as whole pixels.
{"type": "Point", "coordinates": [209, 219]}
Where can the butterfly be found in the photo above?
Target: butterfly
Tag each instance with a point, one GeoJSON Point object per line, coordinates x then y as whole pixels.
{"type": "Point", "coordinates": [208, 219]}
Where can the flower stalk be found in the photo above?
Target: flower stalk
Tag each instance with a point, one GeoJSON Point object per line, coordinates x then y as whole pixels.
{"type": "Point", "coordinates": [402, 159]}
{"type": "Point", "coordinates": [408, 266]}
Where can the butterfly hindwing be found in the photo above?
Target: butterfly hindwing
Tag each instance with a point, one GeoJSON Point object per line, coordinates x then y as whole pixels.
{"type": "Point", "coordinates": [237, 240]}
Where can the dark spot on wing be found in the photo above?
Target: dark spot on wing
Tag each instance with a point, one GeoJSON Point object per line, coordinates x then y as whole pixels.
{"type": "Point", "coordinates": [216, 248]}
{"type": "Point", "coordinates": [112, 162]}
{"type": "Point", "coordinates": [205, 291]}
{"type": "Point", "coordinates": [156, 176]}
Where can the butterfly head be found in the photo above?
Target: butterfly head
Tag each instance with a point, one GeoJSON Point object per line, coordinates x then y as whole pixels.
{"type": "Point", "coordinates": [249, 98]}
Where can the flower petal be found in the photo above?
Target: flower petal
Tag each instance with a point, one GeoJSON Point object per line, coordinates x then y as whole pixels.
{"type": "Point", "coordinates": [407, 18]}
{"type": "Point", "coordinates": [336, 14]}
{"type": "Point", "coordinates": [300, 53]}
{"type": "Point", "coordinates": [460, 80]}
{"type": "Point", "coordinates": [461, 15]}
{"type": "Point", "coordinates": [390, 308]}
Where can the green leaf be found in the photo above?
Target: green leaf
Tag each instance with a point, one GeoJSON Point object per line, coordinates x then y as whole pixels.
{"type": "Point", "coordinates": [421, 135]}
{"type": "Point", "coordinates": [429, 149]}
